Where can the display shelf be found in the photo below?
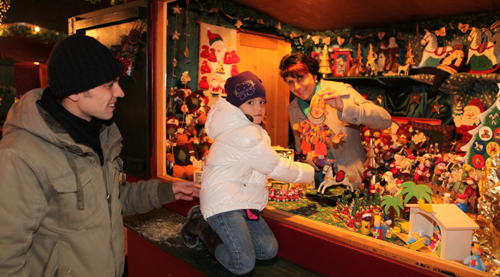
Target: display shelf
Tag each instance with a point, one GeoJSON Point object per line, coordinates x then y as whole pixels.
{"type": "Point", "coordinates": [375, 246]}
{"type": "Point", "coordinates": [378, 81]}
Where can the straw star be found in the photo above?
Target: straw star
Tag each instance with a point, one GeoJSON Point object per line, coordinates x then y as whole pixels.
{"type": "Point", "coordinates": [436, 108]}
{"type": "Point", "coordinates": [415, 98]}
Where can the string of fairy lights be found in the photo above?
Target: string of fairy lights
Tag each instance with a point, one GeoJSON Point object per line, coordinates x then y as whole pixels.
{"type": "Point", "coordinates": [4, 7]}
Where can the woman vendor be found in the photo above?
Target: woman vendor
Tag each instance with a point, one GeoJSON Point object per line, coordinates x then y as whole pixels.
{"type": "Point", "coordinates": [347, 109]}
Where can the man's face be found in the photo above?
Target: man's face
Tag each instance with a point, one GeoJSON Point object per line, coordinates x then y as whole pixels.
{"type": "Point", "coordinates": [302, 87]}
{"type": "Point", "coordinates": [99, 102]}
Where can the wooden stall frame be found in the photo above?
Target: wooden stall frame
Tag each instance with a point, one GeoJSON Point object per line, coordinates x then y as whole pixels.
{"type": "Point", "coordinates": [380, 247]}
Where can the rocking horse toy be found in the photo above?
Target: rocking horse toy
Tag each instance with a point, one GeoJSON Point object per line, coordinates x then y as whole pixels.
{"type": "Point", "coordinates": [340, 178]}
{"type": "Point", "coordinates": [482, 57]}
{"type": "Point", "coordinates": [432, 53]}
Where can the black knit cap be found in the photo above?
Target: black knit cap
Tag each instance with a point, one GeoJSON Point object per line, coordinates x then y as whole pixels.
{"type": "Point", "coordinates": [79, 63]}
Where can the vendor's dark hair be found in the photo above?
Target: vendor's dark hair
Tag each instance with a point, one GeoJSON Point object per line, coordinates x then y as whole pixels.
{"type": "Point", "coordinates": [297, 65]}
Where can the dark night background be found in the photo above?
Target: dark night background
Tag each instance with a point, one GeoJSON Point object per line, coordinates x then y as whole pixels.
{"type": "Point", "coordinates": [51, 14]}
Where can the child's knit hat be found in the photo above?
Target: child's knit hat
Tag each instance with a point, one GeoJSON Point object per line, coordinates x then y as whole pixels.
{"type": "Point", "coordinates": [243, 87]}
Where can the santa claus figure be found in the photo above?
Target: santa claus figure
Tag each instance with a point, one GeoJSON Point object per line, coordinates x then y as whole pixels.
{"type": "Point", "coordinates": [468, 120]}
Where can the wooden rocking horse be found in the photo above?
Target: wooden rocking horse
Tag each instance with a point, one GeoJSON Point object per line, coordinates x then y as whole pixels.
{"type": "Point", "coordinates": [432, 53]}
{"type": "Point", "coordinates": [482, 56]}
{"type": "Point", "coordinates": [340, 178]}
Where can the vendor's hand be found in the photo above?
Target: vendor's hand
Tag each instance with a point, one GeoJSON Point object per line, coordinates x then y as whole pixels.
{"type": "Point", "coordinates": [332, 98]}
{"type": "Point", "coordinates": [186, 190]}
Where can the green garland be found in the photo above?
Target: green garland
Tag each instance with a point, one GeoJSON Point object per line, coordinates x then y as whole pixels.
{"type": "Point", "coordinates": [7, 92]}
{"type": "Point", "coordinates": [26, 31]}
{"type": "Point", "coordinates": [302, 41]}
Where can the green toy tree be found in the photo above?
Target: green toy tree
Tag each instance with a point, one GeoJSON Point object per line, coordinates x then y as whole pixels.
{"type": "Point", "coordinates": [485, 138]}
{"type": "Point", "coordinates": [413, 192]}
{"type": "Point", "coordinates": [391, 206]}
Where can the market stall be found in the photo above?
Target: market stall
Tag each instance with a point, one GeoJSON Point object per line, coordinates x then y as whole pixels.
{"type": "Point", "coordinates": [441, 147]}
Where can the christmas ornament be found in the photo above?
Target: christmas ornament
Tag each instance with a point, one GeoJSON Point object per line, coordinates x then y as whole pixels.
{"type": "Point", "coordinates": [324, 64]}
{"type": "Point", "coordinates": [220, 69]}
{"type": "Point", "coordinates": [177, 9]}
{"type": "Point", "coordinates": [129, 47]}
{"type": "Point", "coordinates": [175, 35]}
{"type": "Point", "coordinates": [415, 98]}
{"type": "Point", "coordinates": [436, 108]}
{"type": "Point", "coordinates": [380, 98]}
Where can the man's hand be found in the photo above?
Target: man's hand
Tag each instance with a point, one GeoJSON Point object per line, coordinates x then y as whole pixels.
{"type": "Point", "coordinates": [332, 98]}
{"type": "Point", "coordinates": [185, 190]}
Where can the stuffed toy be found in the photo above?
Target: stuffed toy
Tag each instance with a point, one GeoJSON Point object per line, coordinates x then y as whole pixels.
{"type": "Point", "coordinates": [183, 156]}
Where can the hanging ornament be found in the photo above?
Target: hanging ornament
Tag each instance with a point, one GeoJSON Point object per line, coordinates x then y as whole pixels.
{"type": "Point", "coordinates": [436, 108]}
{"type": "Point", "coordinates": [340, 41]}
{"type": "Point", "coordinates": [327, 40]}
{"type": "Point", "coordinates": [238, 23]}
{"type": "Point", "coordinates": [186, 53]}
{"type": "Point", "coordinates": [441, 32]}
{"type": "Point", "coordinates": [381, 35]}
{"type": "Point", "coordinates": [185, 77]}
{"type": "Point", "coordinates": [177, 9]}
{"type": "Point", "coordinates": [220, 69]}
{"type": "Point", "coordinates": [278, 26]}
{"type": "Point", "coordinates": [380, 98]}
{"type": "Point", "coordinates": [463, 27]}
{"type": "Point", "coordinates": [175, 35]}
{"type": "Point", "coordinates": [315, 39]}
{"type": "Point", "coordinates": [415, 98]}
{"type": "Point", "coordinates": [174, 62]}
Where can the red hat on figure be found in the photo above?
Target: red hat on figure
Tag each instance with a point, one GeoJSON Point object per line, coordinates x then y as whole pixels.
{"type": "Point", "coordinates": [461, 196]}
{"type": "Point", "coordinates": [476, 103]}
{"type": "Point", "coordinates": [214, 39]}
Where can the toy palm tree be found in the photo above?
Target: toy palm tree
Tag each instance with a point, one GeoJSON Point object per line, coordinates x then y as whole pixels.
{"type": "Point", "coordinates": [391, 206]}
{"type": "Point", "coordinates": [324, 65]}
{"type": "Point", "coordinates": [412, 190]}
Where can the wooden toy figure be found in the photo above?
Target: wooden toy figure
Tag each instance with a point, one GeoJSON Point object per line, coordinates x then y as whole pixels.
{"type": "Point", "coordinates": [365, 225]}
{"type": "Point", "coordinates": [377, 228]}
{"type": "Point", "coordinates": [386, 227]}
{"type": "Point", "coordinates": [474, 260]}
{"type": "Point", "coordinates": [313, 131]}
{"type": "Point", "coordinates": [460, 202]}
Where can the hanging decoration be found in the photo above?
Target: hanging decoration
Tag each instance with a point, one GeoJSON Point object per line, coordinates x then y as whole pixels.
{"type": "Point", "coordinates": [129, 47]}
{"type": "Point", "coordinates": [415, 98]}
{"type": "Point", "coordinates": [218, 59]}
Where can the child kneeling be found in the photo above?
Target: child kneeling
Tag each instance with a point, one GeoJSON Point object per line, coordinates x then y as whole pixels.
{"type": "Point", "coordinates": [233, 190]}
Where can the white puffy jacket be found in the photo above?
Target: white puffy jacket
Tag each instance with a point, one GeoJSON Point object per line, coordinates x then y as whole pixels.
{"type": "Point", "coordinates": [239, 162]}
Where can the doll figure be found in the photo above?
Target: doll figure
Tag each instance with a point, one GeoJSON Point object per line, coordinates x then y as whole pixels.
{"type": "Point", "coordinates": [460, 202]}
{"type": "Point", "coordinates": [377, 228]}
{"type": "Point", "coordinates": [386, 227]}
{"type": "Point", "coordinates": [472, 189]}
{"type": "Point", "coordinates": [474, 260]}
{"type": "Point", "coordinates": [446, 198]}
{"type": "Point", "coordinates": [313, 131]}
{"type": "Point", "coordinates": [439, 169]}
{"type": "Point", "coordinates": [365, 225]}
{"type": "Point", "coordinates": [436, 237]}
{"type": "Point", "coordinates": [391, 53]}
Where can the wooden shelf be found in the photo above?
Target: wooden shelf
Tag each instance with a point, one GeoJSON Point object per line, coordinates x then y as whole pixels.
{"type": "Point", "coordinates": [375, 246]}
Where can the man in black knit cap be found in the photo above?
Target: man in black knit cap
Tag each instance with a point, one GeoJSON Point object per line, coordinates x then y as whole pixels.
{"type": "Point", "coordinates": [61, 198]}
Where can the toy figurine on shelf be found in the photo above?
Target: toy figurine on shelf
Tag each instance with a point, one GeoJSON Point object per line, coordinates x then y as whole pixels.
{"type": "Point", "coordinates": [474, 260]}
{"type": "Point", "coordinates": [436, 237]}
{"type": "Point", "coordinates": [386, 227]}
{"type": "Point", "coordinates": [472, 189]}
{"type": "Point", "coordinates": [377, 228]}
{"type": "Point", "coordinates": [460, 202]}
{"type": "Point", "coordinates": [365, 225]}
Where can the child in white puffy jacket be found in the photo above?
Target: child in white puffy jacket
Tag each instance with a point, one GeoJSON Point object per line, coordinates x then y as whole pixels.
{"type": "Point", "coordinates": [233, 189]}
